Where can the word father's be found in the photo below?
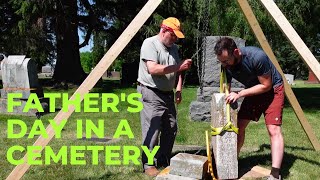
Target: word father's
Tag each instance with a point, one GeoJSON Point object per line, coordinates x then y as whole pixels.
{"type": "Point", "coordinates": [75, 155]}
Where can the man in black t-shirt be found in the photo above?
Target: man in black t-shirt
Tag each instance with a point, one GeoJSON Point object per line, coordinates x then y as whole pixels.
{"type": "Point", "coordinates": [264, 93]}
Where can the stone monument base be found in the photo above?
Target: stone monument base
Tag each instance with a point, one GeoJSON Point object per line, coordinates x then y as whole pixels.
{"type": "Point", "coordinates": [200, 110]}
{"type": "Point", "coordinates": [18, 110]}
{"type": "Point", "coordinates": [256, 172]}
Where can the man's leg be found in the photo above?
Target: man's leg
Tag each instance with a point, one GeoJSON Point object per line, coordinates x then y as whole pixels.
{"type": "Point", "coordinates": [150, 132]}
{"type": "Point", "coordinates": [168, 132]}
{"type": "Point", "coordinates": [150, 126]}
{"type": "Point", "coordinates": [277, 147]}
{"type": "Point", "coordinates": [242, 124]}
{"type": "Point", "coordinates": [273, 117]}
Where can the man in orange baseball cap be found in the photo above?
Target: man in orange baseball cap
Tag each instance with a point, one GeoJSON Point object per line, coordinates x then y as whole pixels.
{"type": "Point", "coordinates": [173, 24]}
{"type": "Point", "coordinates": [159, 68]}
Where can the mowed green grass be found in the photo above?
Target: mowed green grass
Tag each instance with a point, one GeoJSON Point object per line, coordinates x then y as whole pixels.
{"type": "Point", "coordinates": [301, 161]}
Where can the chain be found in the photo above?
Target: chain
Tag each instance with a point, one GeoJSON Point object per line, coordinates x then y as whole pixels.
{"type": "Point", "coordinates": [205, 27]}
{"type": "Point", "coordinates": [201, 35]}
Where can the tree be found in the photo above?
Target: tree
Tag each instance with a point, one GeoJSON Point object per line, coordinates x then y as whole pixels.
{"type": "Point", "coordinates": [98, 49]}
{"type": "Point", "coordinates": [7, 20]}
{"type": "Point", "coordinates": [85, 58]}
{"type": "Point", "coordinates": [24, 31]}
{"type": "Point", "coordinates": [45, 30]}
{"type": "Point", "coordinates": [68, 67]}
{"type": "Point", "coordinates": [304, 17]}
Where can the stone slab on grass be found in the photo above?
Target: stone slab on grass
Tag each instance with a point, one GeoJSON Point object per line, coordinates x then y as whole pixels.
{"type": "Point", "coordinates": [189, 165]}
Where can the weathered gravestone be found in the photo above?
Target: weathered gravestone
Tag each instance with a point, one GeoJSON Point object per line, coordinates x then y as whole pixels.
{"type": "Point", "coordinates": [46, 72]}
{"type": "Point", "coordinates": [200, 109]}
{"type": "Point", "coordinates": [289, 78]}
{"type": "Point", "coordinates": [224, 145]}
{"type": "Point", "coordinates": [19, 75]}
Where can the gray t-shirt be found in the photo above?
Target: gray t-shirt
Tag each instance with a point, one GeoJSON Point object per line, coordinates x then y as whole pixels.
{"type": "Point", "coordinates": [152, 49]}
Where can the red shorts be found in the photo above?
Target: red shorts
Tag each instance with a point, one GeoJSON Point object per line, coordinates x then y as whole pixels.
{"type": "Point", "coordinates": [269, 103]}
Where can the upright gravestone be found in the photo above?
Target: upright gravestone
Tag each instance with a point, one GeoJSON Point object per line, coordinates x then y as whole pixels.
{"type": "Point", "coordinates": [201, 108]}
{"type": "Point", "coordinates": [19, 75]}
{"type": "Point", "coordinates": [224, 145]}
{"type": "Point", "coordinates": [46, 72]}
{"type": "Point", "coordinates": [289, 78]}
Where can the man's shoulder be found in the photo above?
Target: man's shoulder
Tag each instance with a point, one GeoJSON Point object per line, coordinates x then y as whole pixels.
{"type": "Point", "coordinates": [253, 53]}
{"type": "Point", "coordinates": [151, 39]}
{"type": "Point", "coordinates": [250, 49]}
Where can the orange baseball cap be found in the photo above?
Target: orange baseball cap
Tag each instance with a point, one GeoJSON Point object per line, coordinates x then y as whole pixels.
{"type": "Point", "coordinates": [173, 24]}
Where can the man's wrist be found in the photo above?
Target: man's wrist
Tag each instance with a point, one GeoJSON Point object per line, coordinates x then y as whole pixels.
{"type": "Point", "coordinates": [240, 93]}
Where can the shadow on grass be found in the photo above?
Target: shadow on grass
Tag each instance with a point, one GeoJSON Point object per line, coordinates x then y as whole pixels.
{"type": "Point", "coordinates": [111, 175]}
{"type": "Point", "coordinates": [108, 86]}
{"type": "Point", "coordinates": [102, 86]}
{"type": "Point", "coordinates": [107, 175]}
{"type": "Point", "coordinates": [309, 98]}
{"type": "Point", "coordinates": [249, 162]}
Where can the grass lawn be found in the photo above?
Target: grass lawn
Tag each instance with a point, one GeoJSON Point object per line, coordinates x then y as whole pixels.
{"type": "Point", "coordinates": [301, 161]}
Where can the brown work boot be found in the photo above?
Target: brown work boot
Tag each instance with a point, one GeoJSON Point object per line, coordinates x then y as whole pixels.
{"type": "Point", "coordinates": [152, 171]}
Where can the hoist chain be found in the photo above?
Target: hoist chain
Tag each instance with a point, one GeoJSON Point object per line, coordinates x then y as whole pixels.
{"type": "Point", "coordinates": [202, 32]}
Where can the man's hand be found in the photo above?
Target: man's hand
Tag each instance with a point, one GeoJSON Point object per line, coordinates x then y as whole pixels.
{"type": "Point", "coordinates": [184, 65]}
{"type": "Point", "coordinates": [232, 97]}
{"type": "Point", "coordinates": [178, 97]}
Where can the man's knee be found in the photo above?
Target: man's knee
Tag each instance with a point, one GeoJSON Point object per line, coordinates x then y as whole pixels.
{"type": "Point", "coordinates": [242, 124]}
{"type": "Point", "coordinates": [274, 130]}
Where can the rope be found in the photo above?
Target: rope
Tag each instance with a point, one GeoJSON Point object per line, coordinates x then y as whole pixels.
{"type": "Point", "coordinates": [224, 89]}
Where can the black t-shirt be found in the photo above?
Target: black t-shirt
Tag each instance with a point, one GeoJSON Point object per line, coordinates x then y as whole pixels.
{"type": "Point", "coordinates": [254, 63]}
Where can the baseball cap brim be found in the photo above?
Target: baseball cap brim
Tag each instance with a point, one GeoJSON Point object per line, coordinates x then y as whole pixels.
{"type": "Point", "coordinates": [178, 33]}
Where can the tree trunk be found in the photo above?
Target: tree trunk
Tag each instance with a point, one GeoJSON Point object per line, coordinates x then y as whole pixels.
{"type": "Point", "coordinates": [68, 66]}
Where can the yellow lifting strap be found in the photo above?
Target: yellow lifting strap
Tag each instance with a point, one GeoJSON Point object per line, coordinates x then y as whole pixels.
{"type": "Point", "coordinates": [210, 165]}
{"type": "Point", "coordinates": [224, 89]}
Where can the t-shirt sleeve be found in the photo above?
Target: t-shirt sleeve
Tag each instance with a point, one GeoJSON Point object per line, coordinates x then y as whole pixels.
{"type": "Point", "coordinates": [149, 51]}
{"type": "Point", "coordinates": [262, 64]}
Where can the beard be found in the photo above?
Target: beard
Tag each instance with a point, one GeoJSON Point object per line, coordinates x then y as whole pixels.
{"type": "Point", "coordinates": [235, 63]}
{"type": "Point", "coordinates": [168, 43]}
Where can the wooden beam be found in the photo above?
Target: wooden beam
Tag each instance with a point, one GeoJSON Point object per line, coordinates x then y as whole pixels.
{"type": "Point", "coordinates": [292, 36]}
{"type": "Point", "coordinates": [246, 9]}
{"type": "Point", "coordinates": [93, 78]}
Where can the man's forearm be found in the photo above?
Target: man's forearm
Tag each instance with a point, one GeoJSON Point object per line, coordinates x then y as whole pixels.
{"type": "Point", "coordinates": [159, 69]}
{"type": "Point", "coordinates": [179, 84]}
{"type": "Point", "coordinates": [254, 90]}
